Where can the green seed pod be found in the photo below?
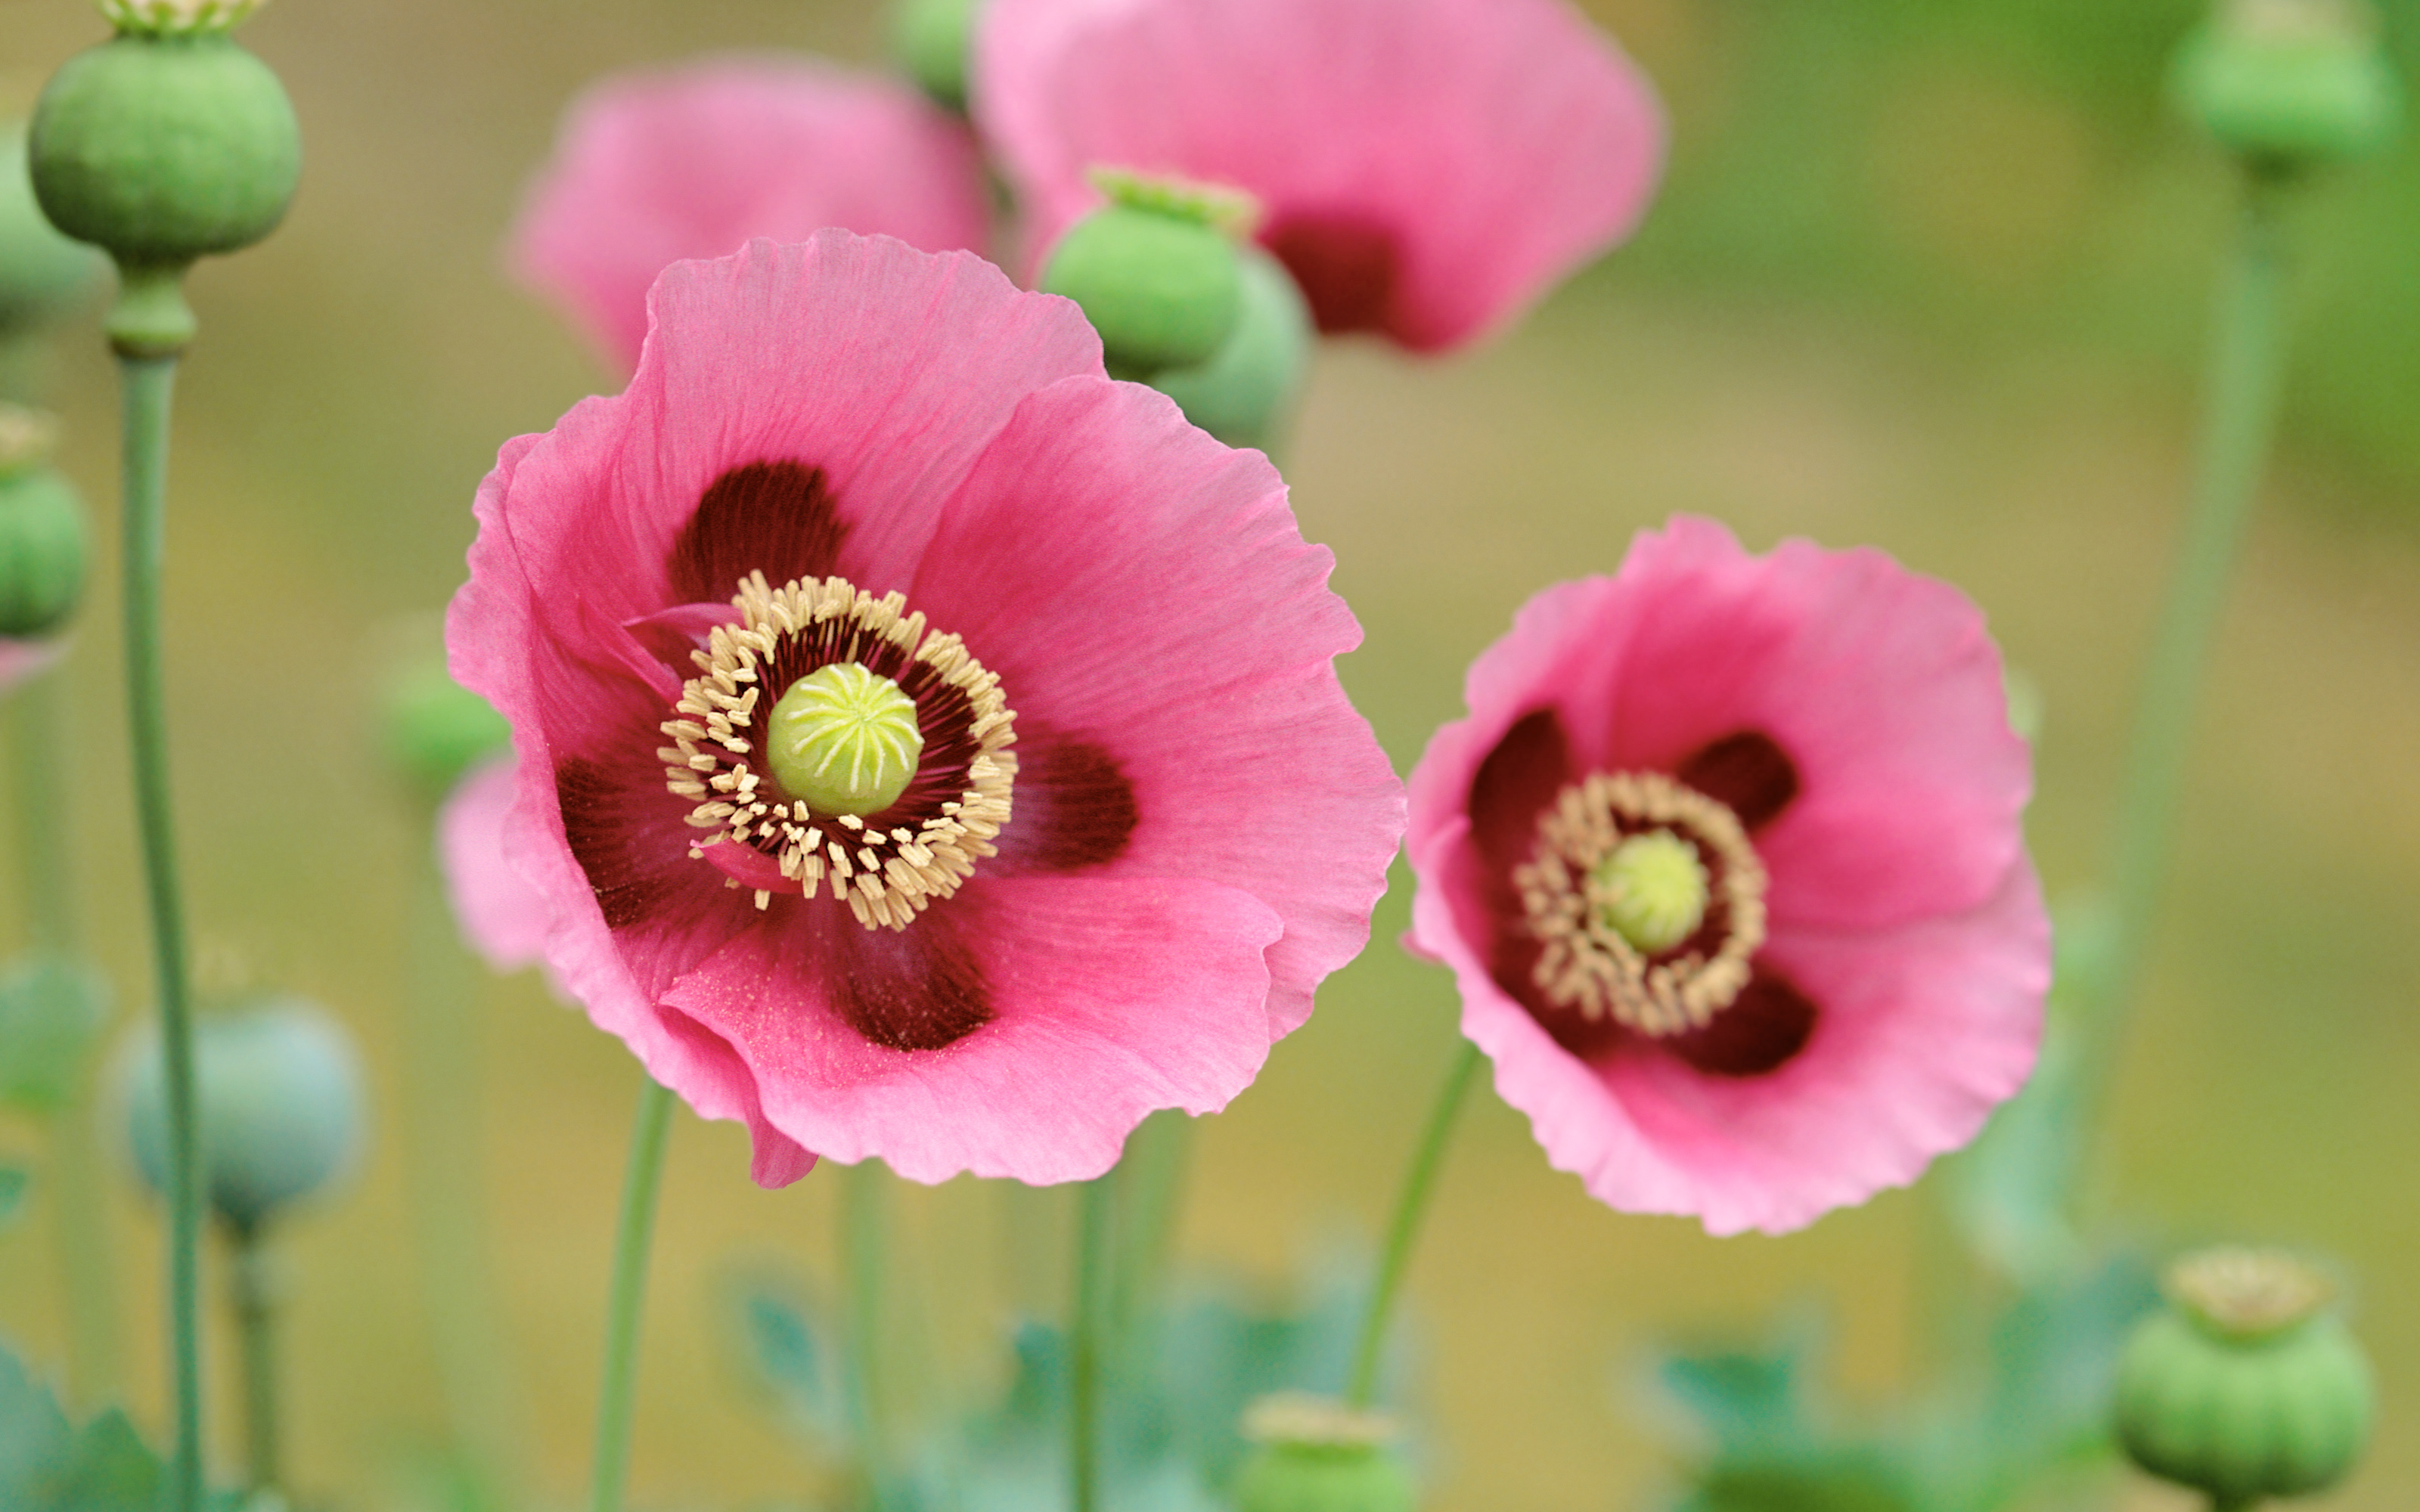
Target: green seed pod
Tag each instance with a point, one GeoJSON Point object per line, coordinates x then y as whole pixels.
{"type": "Point", "coordinates": [2291, 84]}
{"type": "Point", "coordinates": [435, 729]}
{"type": "Point", "coordinates": [43, 275]}
{"type": "Point", "coordinates": [52, 1011]}
{"type": "Point", "coordinates": [931, 39]}
{"type": "Point", "coordinates": [41, 530]}
{"type": "Point", "coordinates": [281, 1106]}
{"type": "Point", "coordinates": [2245, 1385]}
{"type": "Point", "coordinates": [1246, 393]}
{"type": "Point", "coordinates": [162, 148]}
{"type": "Point", "coordinates": [1156, 270]}
{"type": "Point", "coordinates": [1320, 1456]}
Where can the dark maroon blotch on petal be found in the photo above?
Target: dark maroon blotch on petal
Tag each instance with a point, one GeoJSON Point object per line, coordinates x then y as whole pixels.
{"type": "Point", "coordinates": [1511, 787]}
{"type": "Point", "coordinates": [775, 517]}
{"type": "Point", "coordinates": [1769, 1022]}
{"type": "Point", "coordinates": [1073, 807]}
{"type": "Point", "coordinates": [1345, 264]}
{"type": "Point", "coordinates": [918, 989]}
{"type": "Point", "coordinates": [619, 847]}
{"type": "Point", "coordinates": [1746, 772]}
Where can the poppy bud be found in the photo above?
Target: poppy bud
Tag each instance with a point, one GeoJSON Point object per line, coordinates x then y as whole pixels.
{"type": "Point", "coordinates": [281, 1107]}
{"type": "Point", "coordinates": [1156, 270]}
{"type": "Point", "coordinates": [1243, 394]}
{"type": "Point", "coordinates": [932, 40]}
{"type": "Point", "coordinates": [41, 530]}
{"type": "Point", "coordinates": [42, 273]}
{"type": "Point", "coordinates": [2291, 84]}
{"type": "Point", "coordinates": [436, 728]}
{"type": "Point", "coordinates": [1320, 1456]}
{"type": "Point", "coordinates": [2246, 1385]}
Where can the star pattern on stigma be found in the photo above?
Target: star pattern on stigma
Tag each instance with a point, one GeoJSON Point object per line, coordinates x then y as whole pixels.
{"type": "Point", "coordinates": [889, 865]}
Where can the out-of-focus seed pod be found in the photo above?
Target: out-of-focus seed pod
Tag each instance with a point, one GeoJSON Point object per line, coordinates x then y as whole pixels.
{"type": "Point", "coordinates": [2247, 1384]}
{"type": "Point", "coordinates": [281, 1107]}
{"type": "Point", "coordinates": [2291, 84]}
{"type": "Point", "coordinates": [931, 38]}
{"type": "Point", "coordinates": [43, 275]}
{"type": "Point", "coordinates": [42, 535]}
{"type": "Point", "coordinates": [1246, 394]}
{"type": "Point", "coordinates": [1320, 1456]}
{"type": "Point", "coordinates": [434, 729]}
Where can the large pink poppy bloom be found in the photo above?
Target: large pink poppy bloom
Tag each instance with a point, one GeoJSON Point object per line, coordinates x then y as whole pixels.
{"type": "Point", "coordinates": [1144, 824]}
{"type": "Point", "coordinates": [1428, 167]}
{"type": "Point", "coordinates": [694, 161]}
{"type": "Point", "coordinates": [1828, 734]}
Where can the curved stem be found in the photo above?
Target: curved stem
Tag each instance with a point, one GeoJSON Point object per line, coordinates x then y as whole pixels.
{"type": "Point", "coordinates": [2240, 416]}
{"type": "Point", "coordinates": [1093, 1217]}
{"type": "Point", "coordinates": [865, 1242]}
{"type": "Point", "coordinates": [149, 383]}
{"type": "Point", "coordinates": [251, 1290]}
{"type": "Point", "coordinates": [1411, 1205]}
{"type": "Point", "coordinates": [640, 1182]}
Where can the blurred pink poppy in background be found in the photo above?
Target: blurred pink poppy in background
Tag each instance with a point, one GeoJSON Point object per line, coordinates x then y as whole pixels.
{"type": "Point", "coordinates": [1429, 168]}
{"type": "Point", "coordinates": [1141, 821]}
{"type": "Point", "coordinates": [692, 161]}
{"type": "Point", "coordinates": [1727, 863]}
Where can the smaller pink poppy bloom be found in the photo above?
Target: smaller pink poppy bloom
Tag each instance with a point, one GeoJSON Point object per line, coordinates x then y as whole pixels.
{"type": "Point", "coordinates": [694, 161]}
{"type": "Point", "coordinates": [1429, 168]}
{"type": "Point", "coordinates": [503, 916]}
{"type": "Point", "coordinates": [1727, 861]}
{"type": "Point", "coordinates": [1093, 818]}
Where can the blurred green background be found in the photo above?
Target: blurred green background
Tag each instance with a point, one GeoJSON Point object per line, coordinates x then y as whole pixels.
{"type": "Point", "coordinates": [1927, 273]}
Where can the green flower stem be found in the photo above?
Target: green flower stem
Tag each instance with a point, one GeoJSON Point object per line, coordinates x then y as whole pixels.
{"type": "Point", "coordinates": [88, 1278]}
{"type": "Point", "coordinates": [252, 1292]}
{"type": "Point", "coordinates": [1411, 1205]}
{"type": "Point", "coordinates": [632, 1239]}
{"type": "Point", "coordinates": [2232, 1504]}
{"type": "Point", "coordinates": [442, 1122]}
{"type": "Point", "coordinates": [150, 384]}
{"type": "Point", "coordinates": [1158, 1156]}
{"type": "Point", "coordinates": [2240, 416]}
{"type": "Point", "coordinates": [865, 1255]}
{"type": "Point", "coordinates": [1095, 1215]}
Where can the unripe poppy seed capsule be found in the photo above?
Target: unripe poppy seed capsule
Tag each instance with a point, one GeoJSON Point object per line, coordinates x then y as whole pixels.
{"type": "Point", "coordinates": [42, 537]}
{"type": "Point", "coordinates": [932, 40]}
{"type": "Point", "coordinates": [2291, 84]}
{"type": "Point", "coordinates": [2245, 1386]}
{"type": "Point", "coordinates": [1321, 1456]}
{"type": "Point", "coordinates": [1156, 270]}
{"type": "Point", "coordinates": [162, 149]}
{"type": "Point", "coordinates": [1243, 394]}
{"type": "Point", "coordinates": [436, 728]}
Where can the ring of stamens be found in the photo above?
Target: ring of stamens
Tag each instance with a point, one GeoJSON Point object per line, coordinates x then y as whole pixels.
{"type": "Point", "coordinates": [889, 866]}
{"type": "Point", "coordinates": [1586, 961]}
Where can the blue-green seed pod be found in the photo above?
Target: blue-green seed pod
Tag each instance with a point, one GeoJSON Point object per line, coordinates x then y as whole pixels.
{"type": "Point", "coordinates": [2291, 84]}
{"type": "Point", "coordinates": [1320, 1456]}
{"type": "Point", "coordinates": [42, 538]}
{"type": "Point", "coordinates": [281, 1107]}
{"type": "Point", "coordinates": [933, 41]}
{"type": "Point", "coordinates": [1245, 395]}
{"type": "Point", "coordinates": [2246, 1385]}
{"type": "Point", "coordinates": [1156, 269]}
{"type": "Point", "coordinates": [43, 275]}
{"type": "Point", "coordinates": [160, 148]}
{"type": "Point", "coordinates": [435, 729]}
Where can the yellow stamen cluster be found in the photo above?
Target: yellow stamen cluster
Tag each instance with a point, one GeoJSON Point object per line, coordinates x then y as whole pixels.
{"type": "Point", "coordinates": [1574, 906]}
{"type": "Point", "coordinates": [888, 877]}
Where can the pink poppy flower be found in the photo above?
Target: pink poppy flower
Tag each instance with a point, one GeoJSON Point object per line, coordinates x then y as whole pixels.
{"type": "Point", "coordinates": [1428, 167]}
{"type": "Point", "coordinates": [501, 915]}
{"type": "Point", "coordinates": [692, 161]}
{"type": "Point", "coordinates": [1139, 820]}
{"type": "Point", "coordinates": [1727, 866]}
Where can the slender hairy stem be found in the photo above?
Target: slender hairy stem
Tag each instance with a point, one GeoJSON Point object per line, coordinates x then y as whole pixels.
{"type": "Point", "coordinates": [1096, 1203]}
{"type": "Point", "coordinates": [79, 1184]}
{"type": "Point", "coordinates": [252, 1290]}
{"type": "Point", "coordinates": [632, 1239]}
{"type": "Point", "coordinates": [2239, 415]}
{"type": "Point", "coordinates": [442, 1121]}
{"type": "Point", "coordinates": [149, 383]}
{"type": "Point", "coordinates": [1411, 1205]}
{"type": "Point", "coordinates": [866, 1251]}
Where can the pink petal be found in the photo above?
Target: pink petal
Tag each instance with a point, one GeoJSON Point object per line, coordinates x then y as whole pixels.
{"type": "Point", "coordinates": [1923, 1030]}
{"type": "Point", "coordinates": [505, 918]}
{"type": "Point", "coordinates": [1144, 590]}
{"type": "Point", "coordinates": [1107, 998]}
{"type": "Point", "coordinates": [695, 160]}
{"type": "Point", "coordinates": [20, 659]}
{"type": "Point", "coordinates": [1474, 150]}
